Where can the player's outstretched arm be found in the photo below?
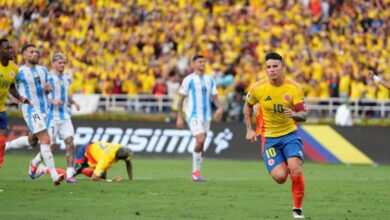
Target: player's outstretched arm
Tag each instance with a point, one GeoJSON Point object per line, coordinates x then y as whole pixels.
{"type": "Point", "coordinates": [129, 168]}
{"type": "Point", "coordinates": [248, 113]}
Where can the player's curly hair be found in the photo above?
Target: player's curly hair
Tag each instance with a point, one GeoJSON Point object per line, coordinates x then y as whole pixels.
{"type": "Point", "coordinates": [123, 153]}
{"type": "Point", "coordinates": [57, 56]}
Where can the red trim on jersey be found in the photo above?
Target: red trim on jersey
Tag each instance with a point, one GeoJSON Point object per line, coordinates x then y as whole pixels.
{"type": "Point", "coordinates": [260, 128]}
{"type": "Point", "coordinates": [300, 107]}
{"type": "Point", "coordinates": [80, 160]}
{"type": "Point", "coordinates": [89, 156]}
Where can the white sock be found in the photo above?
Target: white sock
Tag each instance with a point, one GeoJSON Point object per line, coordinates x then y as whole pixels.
{"type": "Point", "coordinates": [20, 142]}
{"type": "Point", "coordinates": [37, 159]}
{"type": "Point", "coordinates": [196, 161]}
{"type": "Point", "coordinates": [49, 161]}
{"type": "Point", "coordinates": [69, 172]}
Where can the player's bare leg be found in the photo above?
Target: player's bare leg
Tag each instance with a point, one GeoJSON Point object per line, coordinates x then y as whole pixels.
{"type": "Point", "coordinates": [298, 185]}
{"type": "Point", "coordinates": [197, 158]}
{"type": "Point", "coordinates": [280, 173]}
{"type": "Point", "coordinates": [70, 159]}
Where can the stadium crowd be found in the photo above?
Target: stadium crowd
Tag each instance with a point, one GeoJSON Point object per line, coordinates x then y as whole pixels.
{"type": "Point", "coordinates": [145, 47]}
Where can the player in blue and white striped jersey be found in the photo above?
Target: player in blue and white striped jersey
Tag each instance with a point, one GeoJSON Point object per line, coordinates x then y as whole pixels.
{"type": "Point", "coordinates": [58, 119]}
{"type": "Point", "coordinates": [200, 91]}
{"type": "Point", "coordinates": [32, 82]}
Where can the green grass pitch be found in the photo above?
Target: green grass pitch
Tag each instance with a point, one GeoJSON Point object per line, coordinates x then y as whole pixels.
{"type": "Point", "coordinates": [162, 190]}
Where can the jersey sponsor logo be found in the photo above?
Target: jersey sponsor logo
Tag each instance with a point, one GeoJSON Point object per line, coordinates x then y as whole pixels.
{"type": "Point", "coordinates": [271, 162]}
{"type": "Point", "coordinates": [268, 98]}
{"type": "Point", "coordinates": [287, 98]}
{"type": "Point", "coordinates": [149, 140]}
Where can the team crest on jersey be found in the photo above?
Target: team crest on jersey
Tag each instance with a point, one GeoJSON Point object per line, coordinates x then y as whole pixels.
{"type": "Point", "coordinates": [287, 98]}
{"type": "Point", "coordinates": [271, 162]}
{"type": "Point", "coordinates": [194, 122]}
{"type": "Point", "coordinates": [12, 74]}
{"type": "Point", "coordinates": [35, 74]}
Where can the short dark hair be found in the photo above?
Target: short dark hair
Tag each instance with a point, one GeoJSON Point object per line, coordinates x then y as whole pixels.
{"type": "Point", "coordinates": [123, 153]}
{"type": "Point", "coordinates": [26, 46]}
{"type": "Point", "coordinates": [273, 56]}
{"type": "Point", "coordinates": [3, 40]}
{"type": "Point", "coordinates": [198, 57]}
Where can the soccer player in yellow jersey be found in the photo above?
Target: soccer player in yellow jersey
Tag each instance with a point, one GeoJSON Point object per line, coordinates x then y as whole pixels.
{"type": "Point", "coordinates": [281, 106]}
{"type": "Point", "coordinates": [100, 156]}
{"type": "Point", "coordinates": [8, 71]}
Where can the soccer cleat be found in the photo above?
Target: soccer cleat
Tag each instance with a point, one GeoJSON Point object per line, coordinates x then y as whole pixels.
{"type": "Point", "coordinates": [297, 213]}
{"type": "Point", "coordinates": [32, 169]}
{"type": "Point", "coordinates": [197, 177]}
{"type": "Point", "coordinates": [60, 178]}
{"type": "Point", "coordinates": [71, 180]}
{"type": "Point", "coordinates": [40, 171]}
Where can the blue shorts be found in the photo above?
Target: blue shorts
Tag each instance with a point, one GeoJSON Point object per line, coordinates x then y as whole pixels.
{"type": "Point", "coordinates": [80, 161]}
{"type": "Point", "coordinates": [277, 150]}
{"type": "Point", "coordinates": [3, 120]}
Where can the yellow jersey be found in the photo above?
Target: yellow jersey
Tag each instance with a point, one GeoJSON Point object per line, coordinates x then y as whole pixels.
{"type": "Point", "coordinates": [101, 156]}
{"type": "Point", "coordinates": [272, 100]}
{"type": "Point", "coordinates": [7, 77]}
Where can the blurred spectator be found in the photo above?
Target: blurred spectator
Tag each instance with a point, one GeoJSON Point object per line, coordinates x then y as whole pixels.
{"type": "Point", "coordinates": [344, 114]}
{"type": "Point", "coordinates": [17, 19]}
{"type": "Point", "coordinates": [117, 85]}
{"type": "Point", "coordinates": [160, 87]}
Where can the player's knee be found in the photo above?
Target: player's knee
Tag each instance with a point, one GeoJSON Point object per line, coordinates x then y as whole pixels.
{"type": "Point", "coordinates": [44, 137]}
{"type": "Point", "coordinates": [280, 179]}
{"type": "Point", "coordinates": [296, 171]}
{"type": "Point", "coordinates": [280, 176]}
{"type": "Point", "coordinates": [33, 140]}
{"type": "Point", "coordinates": [69, 141]}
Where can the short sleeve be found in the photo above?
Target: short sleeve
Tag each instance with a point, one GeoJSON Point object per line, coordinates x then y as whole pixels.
{"type": "Point", "coordinates": [46, 73]}
{"type": "Point", "coordinates": [183, 90]}
{"type": "Point", "coordinates": [19, 75]}
{"type": "Point", "coordinates": [251, 97]}
{"type": "Point", "coordinates": [213, 85]}
{"type": "Point", "coordinates": [16, 72]}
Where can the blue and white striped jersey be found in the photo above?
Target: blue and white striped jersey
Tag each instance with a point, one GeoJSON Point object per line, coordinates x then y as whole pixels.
{"type": "Point", "coordinates": [199, 92]}
{"type": "Point", "coordinates": [30, 81]}
{"type": "Point", "coordinates": [60, 85]}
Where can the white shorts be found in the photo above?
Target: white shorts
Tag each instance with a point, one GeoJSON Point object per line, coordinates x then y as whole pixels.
{"type": "Point", "coordinates": [36, 122]}
{"type": "Point", "coordinates": [197, 126]}
{"type": "Point", "coordinates": [61, 129]}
